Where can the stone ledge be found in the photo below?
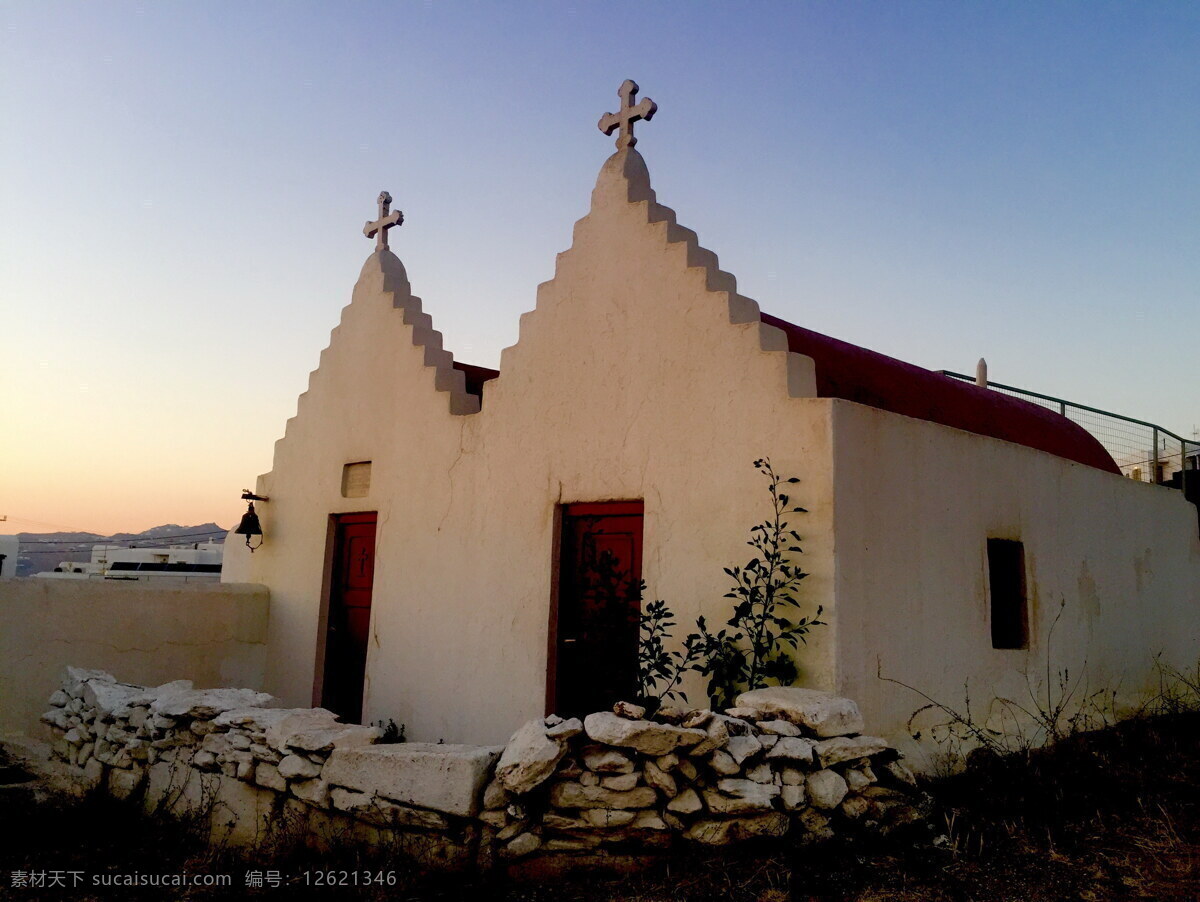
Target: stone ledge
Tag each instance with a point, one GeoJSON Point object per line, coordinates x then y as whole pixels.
{"type": "Point", "coordinates": [445, 778]}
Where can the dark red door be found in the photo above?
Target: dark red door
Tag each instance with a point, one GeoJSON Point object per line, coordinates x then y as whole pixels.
{"type": "Point", "coordinates": [349, 622]}
{"type": "Point", "coordinates": [595, 629]}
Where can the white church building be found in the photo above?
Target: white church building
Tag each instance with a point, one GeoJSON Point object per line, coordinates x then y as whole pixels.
{"type": "Point", "coordinates": [426, 519]}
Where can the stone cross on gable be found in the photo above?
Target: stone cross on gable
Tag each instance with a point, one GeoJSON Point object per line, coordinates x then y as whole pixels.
{"type": "Point", "coordinates": [379, 228]}
{"type": "Point", "coordinates": [628, 114]}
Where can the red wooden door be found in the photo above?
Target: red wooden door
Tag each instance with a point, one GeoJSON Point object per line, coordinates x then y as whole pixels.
{"type": "Point", "coordinates": [349, 622]}
{"type": "Point", "coordinates": [594, 652]}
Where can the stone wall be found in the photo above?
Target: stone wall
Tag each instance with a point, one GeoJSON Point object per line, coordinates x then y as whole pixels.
{"type": "Point", "coordinates": [613, 783]}
{"type": "Point", "coordinates": [213, 634]}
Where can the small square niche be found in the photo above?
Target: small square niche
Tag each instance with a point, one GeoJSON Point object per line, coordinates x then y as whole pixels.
{"type": "Point", "coordinates": [356, 479]}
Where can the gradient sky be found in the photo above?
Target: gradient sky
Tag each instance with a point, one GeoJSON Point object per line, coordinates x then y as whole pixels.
{"type": "Point", "coordinates": [183, 187]}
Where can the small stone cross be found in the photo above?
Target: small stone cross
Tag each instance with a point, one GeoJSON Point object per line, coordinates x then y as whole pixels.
{"type": "Point", "coordinates": [379, 228]}
{"type": "Point", "coordinates": [628, 114]}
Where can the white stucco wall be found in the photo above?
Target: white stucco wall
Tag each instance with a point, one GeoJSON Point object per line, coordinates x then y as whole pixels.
{"type": "Point", "coordinates": [916, 503]}
{"type": "Point", "coordinates": [641, 374]}
{"type": "Point", "coordinates": [214, 635]}
{"type": "Point", "coordinates": [628, 381]}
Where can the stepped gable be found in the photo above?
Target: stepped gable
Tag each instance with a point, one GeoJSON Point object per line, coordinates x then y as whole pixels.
{"type": "Point", "coordinates": [384, 275]}
{"type": "Point", "coordinates": [855, 374]}
{"type": "Point", "coordinates": [625, 179]}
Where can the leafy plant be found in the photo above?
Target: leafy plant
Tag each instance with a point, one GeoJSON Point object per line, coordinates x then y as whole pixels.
{"type": "Point", "coordinates": [753, 649]}
{"type": "Point", "coordinates": [393, 733]}
{"type": "Point", "coordinates": [656, 665]}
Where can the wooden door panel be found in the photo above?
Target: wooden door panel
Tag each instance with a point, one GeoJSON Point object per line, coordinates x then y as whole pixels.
{"type": "Point", "coordinates": [349, 615]}
{"type": "Point", "coordinates": [594, 657]}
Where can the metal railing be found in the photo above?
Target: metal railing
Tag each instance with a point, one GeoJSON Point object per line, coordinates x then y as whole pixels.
{"type": "Point", "coordinates": [1144, 451]}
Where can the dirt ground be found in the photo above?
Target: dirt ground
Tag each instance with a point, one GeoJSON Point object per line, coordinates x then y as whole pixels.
{"type": "Point", "coordinates": [1106, 815]}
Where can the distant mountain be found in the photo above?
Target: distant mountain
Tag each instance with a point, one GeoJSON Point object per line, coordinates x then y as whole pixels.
{"type": "Point", "coordinates": [46, 550]}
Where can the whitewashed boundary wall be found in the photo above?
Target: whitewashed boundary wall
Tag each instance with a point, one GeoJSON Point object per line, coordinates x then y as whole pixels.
{"type": "Point", "coordinates": [613, 784]}
{"type": "Point", "coordinates": [213, 634]}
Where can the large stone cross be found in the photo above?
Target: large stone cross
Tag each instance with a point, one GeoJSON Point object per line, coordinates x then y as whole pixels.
{"type": "Point", "coordinates": [628, 114]}
{"type": "Point", "coordinates": [379, 228]}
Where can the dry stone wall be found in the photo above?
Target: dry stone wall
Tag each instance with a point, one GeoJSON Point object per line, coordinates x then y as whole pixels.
{"type": "Point", "coordinates": [615, 782]}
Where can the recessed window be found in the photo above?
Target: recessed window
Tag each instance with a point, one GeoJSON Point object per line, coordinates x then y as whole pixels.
{"type": "Point", "coordinates": [356, 479]}
{"type": "Point", "coordinates": [1006, 579]}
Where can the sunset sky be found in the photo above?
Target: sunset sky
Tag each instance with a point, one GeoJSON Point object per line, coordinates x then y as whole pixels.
{"type": "Point", "coordinates": [184, 187]}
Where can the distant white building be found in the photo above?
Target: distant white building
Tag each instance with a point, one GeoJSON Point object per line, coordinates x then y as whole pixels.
{"type": "Point", "coordinates": [9, 547]}
{"type": "Point", "coordinates": [197, 562]}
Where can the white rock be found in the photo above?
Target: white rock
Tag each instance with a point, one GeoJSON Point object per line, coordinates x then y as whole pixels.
{"type": "Point", "coordinates": [207, 703]}
{"type": "Point", "coordinates": [296, 767]}
{"type": "Point", "coordinates": [576, 795]}
{"type": "Point", "coordinates": [629, 710]}
{"type": "Point", "coordinates": [740, 796]}
{"type": "Point", "coordinates": [711, 833]}
{"type": "Point", "coordinates": [265, 753]}
{"type": "Point", "coordinates": [741, 713]}
{"type": "Point", "coordinates": [843, 748]}
{"type": "Point", "coordinates": [552, 820]}
{"type": "Point", "coordinates": [824, 713]}
{"type": "Point", "coordinates": [724, 831]}
{"type": "Point", "coordinates": [722, 762]}
{"type": "Point", "coordinates": [854, 807]}
{"type": "Point", "coordinates": [523, 845]}
{"type": "Point", "coordinates": [73, 679]}
{"type": "Point", "coordinates": [59, 699]}
{"type": "Point", "coordinates": [57, 718]}
{"type": "Point", "coordinates": [648, 820]}
{"type": "Point", "coordinates": [505, 833]}
{"type": "Point", "coordinates": [826, 789]}
{"type": "Point", "coordinates": [793, 748]}
{"type": "Point", "coordinates": [607, 761]}
{"type": "Point", "coordinates": [587, 778]}
{"type": "Point", "coordinates": [93, 773]}
{"type": "Point", "coordinates": [315, 792]}
{"type": "Point", "coordinates": [697, 719]}
{"type": "Point", "coordinates": [671, 714]}
{"type": "Point", "coordinates": [529, 759]}
{"type": "Point", "coordinates": [620, 782]}
{"type": "Point", "coordinates": [659, 779]}
{"type": "Point", "coordinates": [779, 727]}
{"type": "Point", "coordinates": [716, 736]}
{"type": "Point", "coordinates": [496, 796]}
{"type": "Point", "coordinates": [856, 779]}
{"type": "Point", "coordinates": [440, 777]}
{"type": "Point", "coordinates": [667, 762]}
{"type": "Point", "coordinates": [104, 697]}
{"type": "Point", "coordinates": [740, 748]}
{"type": "Point", "coordinates": [565, 729]}
{"type": "Point", "coordinates": [644, 736]}
{"type": "Point", "coordinates": [607, 817]}
{"type": "Point", "coordinates": [348, 799]}
{"type": "Point", "coordinates": [327, 739]}
{"type": "Point", "coordinates": [761, 773]}
{"type": "Point", "coordinates": [900, 773]}
{"type": "Point", "coordinates": [793, 797]}
{"type": "Point", "coordinates": [687, 802]}
{"type": "Point", "coordinates": [148, 695]}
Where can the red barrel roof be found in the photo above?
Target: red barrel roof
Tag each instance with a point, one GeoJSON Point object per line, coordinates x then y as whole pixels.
{"type": "Point", "coordinates": [856, 374]}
